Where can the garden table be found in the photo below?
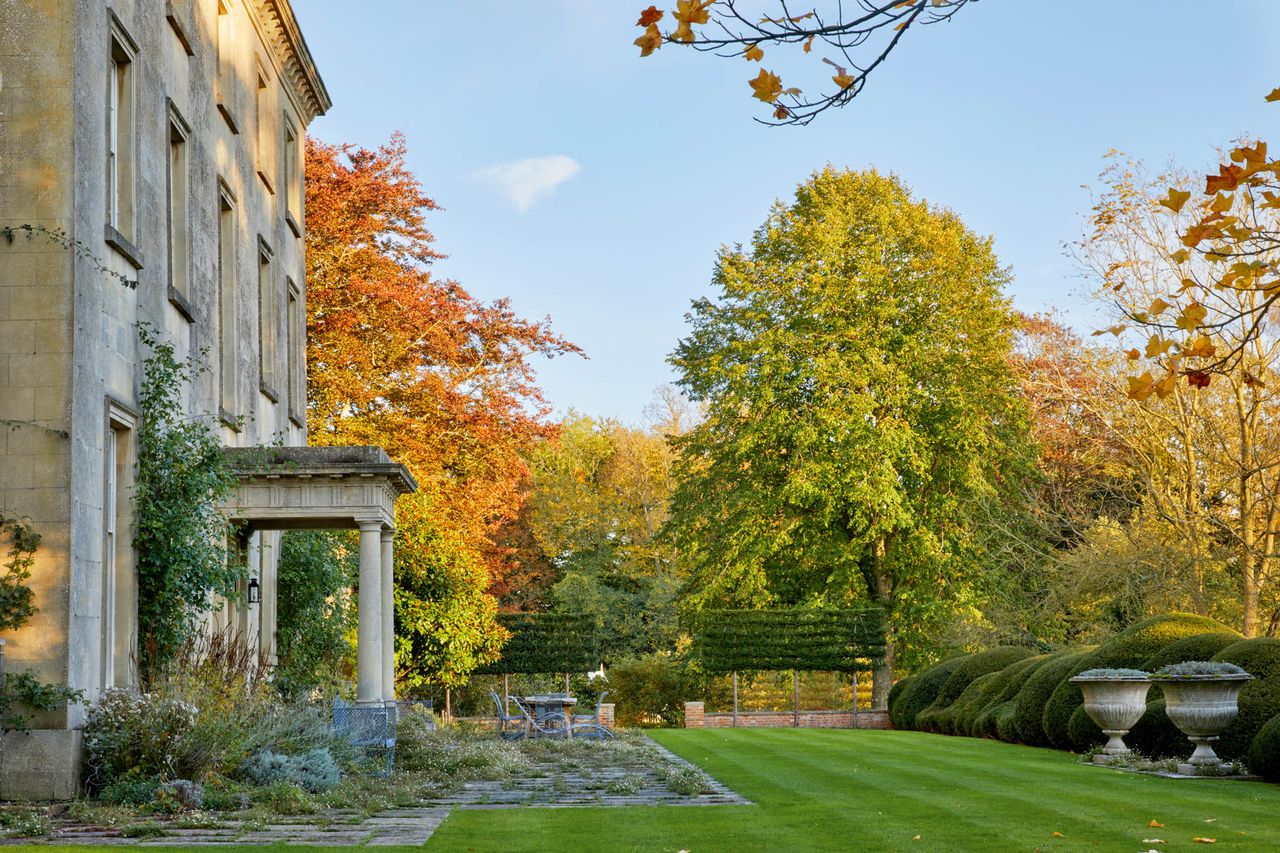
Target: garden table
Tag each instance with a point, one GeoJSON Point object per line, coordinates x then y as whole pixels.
{"type": "Point", "coordinates": [553, 703]}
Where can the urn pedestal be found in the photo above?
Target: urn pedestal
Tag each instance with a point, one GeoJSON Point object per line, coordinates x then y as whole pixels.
{"type": "Point", "coordinates": [1115, 704]}
{"type": "Point", "coordinates": [1201, 706]}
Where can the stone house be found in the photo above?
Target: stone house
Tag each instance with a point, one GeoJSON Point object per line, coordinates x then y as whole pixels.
{"type": "Point", "coordinates": [159, 143]}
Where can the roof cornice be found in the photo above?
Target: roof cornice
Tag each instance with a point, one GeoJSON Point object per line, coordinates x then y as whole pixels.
{"type": "Point", "coordinates": [291, 51]}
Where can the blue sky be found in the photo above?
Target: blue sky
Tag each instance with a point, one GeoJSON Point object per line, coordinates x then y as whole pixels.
{"type": "Point", "coordinates": [1002, 114]}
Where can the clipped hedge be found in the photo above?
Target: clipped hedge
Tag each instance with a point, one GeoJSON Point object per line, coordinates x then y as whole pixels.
{"type": "Point", "coordinates": [1004, 687]}
{"type": "Point", "coordinates": [895, 692]}
{"type": "Point", "coordinates": [1260, 698]}
{"type": "Point", "coordinates": [920, 692]}
{"type": "Point", "coordinates": [1264, 754]}
{"type": "Point", "coordinates": [1028, 705]}
{"type": "Point", "coordinates": [1131, 648]}
{"type": "Point", "coordinates": [969, 669]}
{"type": "Point", "coordinates": [957, 718]}
{"type": "Point", "coordinates": [1155, 735]}
{"type": "Point", "coordinates": [1195, 647]}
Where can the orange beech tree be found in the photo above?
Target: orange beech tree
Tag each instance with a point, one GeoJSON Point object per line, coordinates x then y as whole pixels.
{"type": "Point", "coordinates": [400, 358]}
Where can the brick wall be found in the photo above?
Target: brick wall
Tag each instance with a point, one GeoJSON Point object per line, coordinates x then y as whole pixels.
{"type": "Point", "coordinates": [695, 717]}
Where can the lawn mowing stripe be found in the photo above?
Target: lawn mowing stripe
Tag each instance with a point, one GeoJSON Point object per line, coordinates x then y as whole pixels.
{"type": "Point", "coordinates": [1078, 805]}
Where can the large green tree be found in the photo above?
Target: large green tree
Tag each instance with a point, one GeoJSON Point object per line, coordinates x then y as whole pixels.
{"type": "Point", "coordinates": [859, 409]}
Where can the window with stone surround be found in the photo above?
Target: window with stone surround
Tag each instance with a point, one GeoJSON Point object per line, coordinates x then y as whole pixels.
{"type": "Point", "coordinates": [225, 83]}
{"type": "Point", "coordinates": [295, 325]}
{"type": "Point", "coordinates": [229, 394]}
{"type": "Point", "coordinates": [292, 177]}
{"type": "Point", "coordinates": [119, 583]}
{"type": "Point", "coordinates": [264, 115]}
{"type": "Point", "coordinates": [120, 155]}
{"type": "Point", "coordinates": [268, 324]}
{"type": "Point", "coordinates": [179, 213]}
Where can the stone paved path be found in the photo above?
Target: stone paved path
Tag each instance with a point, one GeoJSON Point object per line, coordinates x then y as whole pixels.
{"type": "Point", "coordinates": [550, 785]}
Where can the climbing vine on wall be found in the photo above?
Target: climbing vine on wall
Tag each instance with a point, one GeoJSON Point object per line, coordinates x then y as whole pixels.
{"type": "Point", "coordinates": [180, 538]}
{"type": "Point", "coordinates": [23, 689]}
{"type": "Point", "coordinates": [16, 605]}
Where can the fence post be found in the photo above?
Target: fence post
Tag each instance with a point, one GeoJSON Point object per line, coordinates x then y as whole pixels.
{"type": "Point", "coordinates": [855, 698]}
{"type": "Point", "coordinates": [795, 697]}
{"type": "Point", "coordinates": [735, 698]}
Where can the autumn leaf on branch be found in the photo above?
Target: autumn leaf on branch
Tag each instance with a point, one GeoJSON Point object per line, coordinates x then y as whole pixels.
{"type": "Point", "coordinates": [860, 35]}
{"type": "Point", "coordinates": [649, 17]}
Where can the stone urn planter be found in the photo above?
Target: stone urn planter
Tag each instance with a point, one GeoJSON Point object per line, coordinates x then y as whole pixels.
{"type": "Point", "coordinates": [1115, 699]}
{"type": "Point", "coordinates": [1201, 700]}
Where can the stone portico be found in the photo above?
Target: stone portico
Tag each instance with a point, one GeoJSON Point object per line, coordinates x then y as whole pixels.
{"type": "Point", "coordinates": [292, 488]}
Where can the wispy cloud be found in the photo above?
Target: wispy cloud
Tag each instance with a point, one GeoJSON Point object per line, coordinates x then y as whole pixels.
{"type": "Point", "coordinates": [526, 182]}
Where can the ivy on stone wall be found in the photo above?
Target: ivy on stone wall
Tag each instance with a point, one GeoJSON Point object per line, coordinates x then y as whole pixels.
{"type": "Point", "coordinates": [23, 690]}
{"type": "Point", "coordinates": [547, 642]}
{"type": "Point", "coordinates": [180, 537]}
{"type": "Point", "coordinates": [16, 605]}
{"type": "Point", "coordinates": [817, 640]}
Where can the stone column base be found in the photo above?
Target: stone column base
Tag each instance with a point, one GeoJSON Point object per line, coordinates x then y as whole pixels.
{"type": "Point", "coordinates": [42, 764]}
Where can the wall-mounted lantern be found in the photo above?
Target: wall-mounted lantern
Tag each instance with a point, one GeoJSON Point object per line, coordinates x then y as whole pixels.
{"type": "Point", "coordinates": [255, 591]}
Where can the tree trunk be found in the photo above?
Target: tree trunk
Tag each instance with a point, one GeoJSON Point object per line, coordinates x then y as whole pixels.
{"type": "Point", "coordinates": [882, 679]}
{"type": "Point", "coordinates": [882, 593]}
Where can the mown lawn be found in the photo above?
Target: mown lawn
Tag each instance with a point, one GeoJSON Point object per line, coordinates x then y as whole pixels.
{"type": "Point", "coordinates": [869, 790]}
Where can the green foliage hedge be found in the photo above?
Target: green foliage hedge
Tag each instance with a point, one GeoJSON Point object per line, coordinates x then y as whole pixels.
{"type": "Point", "coordinates": [809, 640]}
{"type": "Point", "coordinates": [938, 716]}
{"type": "Point", "coordinates": [1010, 694]}
{"type": "Point", "coordinates": [920, 693]}
{"type": "Point", "coordinates": [1155, 735]}
{"type": "Point", "coordinates": [1131, 648]}
{"type": "Point", "coordinates": [1028, 705]}
{"type": "Point", "coordinates": [1264, 755]}
{"type": "Point", "coordinates": [547, 643]}
{"type": "Point", "coordinates": [1003, 688]}
{"type": "Point", "coordinates": [1260, 698]}
{"type": "Point", "coordinates": [1195, 647]}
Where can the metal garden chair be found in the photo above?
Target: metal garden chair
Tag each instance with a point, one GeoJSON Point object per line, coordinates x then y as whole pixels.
{"type": "Point", "coordinates": [589, 725]}
{"type": "Point", "coordinates": [509, 727]}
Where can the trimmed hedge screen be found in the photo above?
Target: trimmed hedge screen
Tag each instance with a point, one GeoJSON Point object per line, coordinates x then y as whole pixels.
{"type": "Point", "coordinates": [547, 642]}
{"type": "Point", "coordinates": [806, 640]}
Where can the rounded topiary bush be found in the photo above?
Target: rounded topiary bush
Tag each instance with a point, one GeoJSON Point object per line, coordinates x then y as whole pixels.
{"type": "Point", "coordinates": [895, 695]}
{"type": "Point", "coordinates": [975, 665]}
{"type": "Point", "coordinates": [1028, 704]}
{"type": "Point", "coordinates": [1155, 735]}
{"type": "Point", "coordinates": [1004, 719]}
{"type": "Point", "coordinates": [957, 718]}
{"type": "Point", "coordinates": [1260, 698]}
{"type": "Point", "coordinates": [920, 692]}
{"type": "Point", "coordinates": [1131, 648]}
{"type": "Point", "coordinates": [1264, 754]}
{"type": "Point", "coordinates": [1004, 687]}
{"type": "Point", "coordinates": [1195, 647]}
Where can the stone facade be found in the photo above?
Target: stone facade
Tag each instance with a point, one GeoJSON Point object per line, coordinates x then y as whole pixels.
{"type": "Point", "coordinates": [158, 143]}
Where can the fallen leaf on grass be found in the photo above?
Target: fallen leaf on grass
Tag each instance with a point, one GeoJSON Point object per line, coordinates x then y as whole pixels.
{"type": "Point", "coordinates": [1155, 823]}
{"type": "Point", "coordinates": [1153, 841]}
{"type": "Point", "coordinates": [915, 838]}
{"type": "Point", "coordinates": [1210, 819]}
{"type": "Point", "coordinates": [1199, 840]}
{"type": "Point", "coordinates": [1057, 835]}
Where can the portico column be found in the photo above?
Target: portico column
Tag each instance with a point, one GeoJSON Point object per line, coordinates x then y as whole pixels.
{"type": "Point", "coordinates": [388, 618]}
{"type": "Point", "coordinates": [369, 614]}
